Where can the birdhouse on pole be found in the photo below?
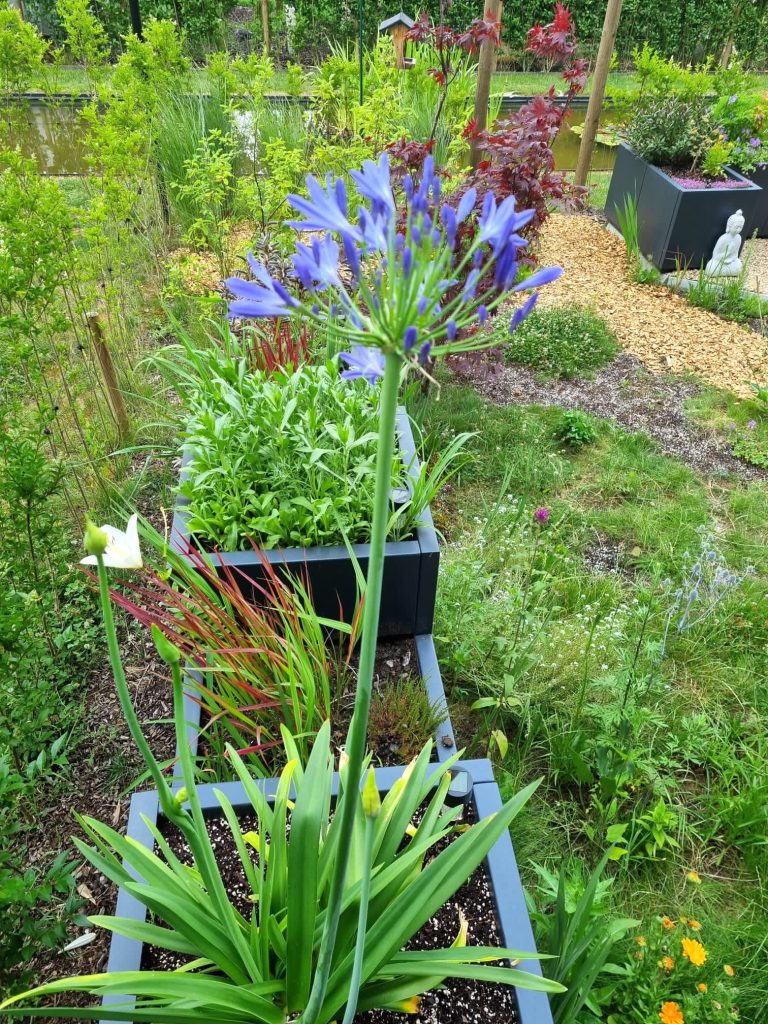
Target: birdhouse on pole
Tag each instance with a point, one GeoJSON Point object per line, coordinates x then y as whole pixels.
{"type": "Point", "coordinates": [398, 26]}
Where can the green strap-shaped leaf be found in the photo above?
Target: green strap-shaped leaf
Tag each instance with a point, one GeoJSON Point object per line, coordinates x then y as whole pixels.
{"type": "Point", "coordinates": [307, 821]}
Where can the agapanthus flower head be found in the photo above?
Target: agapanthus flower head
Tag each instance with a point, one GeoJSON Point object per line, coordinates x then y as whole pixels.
{"type": "Point", "coordinates": [401, 292]}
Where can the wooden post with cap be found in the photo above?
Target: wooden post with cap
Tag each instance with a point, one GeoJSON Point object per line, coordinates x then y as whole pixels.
{"type": "Point", "coordinates": [597, 91]}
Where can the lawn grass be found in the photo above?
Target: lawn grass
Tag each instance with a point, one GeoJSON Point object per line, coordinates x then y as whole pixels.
{"type": "Point", "coordinates": [517, 83]}
{"type": "Point", "coordinates": [704, 709]}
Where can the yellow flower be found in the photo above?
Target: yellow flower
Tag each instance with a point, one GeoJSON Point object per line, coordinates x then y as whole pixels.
{"type": "Point", "coordinates": [667, 922]}
{"type": "Point", "coordinates": [694, 924]}
{"type": "Point", "coordinates": [702, 987]}
{"type": "Point", "coordinates": [667, 963]}
{"type": "Point", "coordinates": [694, 876]}
{"type": "Point", "coordinates": [694, 950]}
{"type": "Point", "coordinates": [729, 970]}
{"type": "Point", "coordinates": [640, 940]}
{"type": "Point", "coordinates": [671, 1013]}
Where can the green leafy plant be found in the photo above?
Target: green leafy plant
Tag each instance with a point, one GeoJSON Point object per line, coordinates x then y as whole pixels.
{"type": "Point", "coordinates": [22, 51]}
{"type": "Point", "coordinates": [567, 341]}
{"type": "Point", "coordinates": [572, 927]}
{"type": "Point", "coordinates": [86, 39]}
{"type": "Point", "coordinates": [207, 191]}
{"type": "Point", "coordinates": [576, 428]}
{"type": "Point", "coordinates": [670, 131]}
{"type": "Point", "coordinates": [35, 907]}
{"type": "Point", "coordinates": [302, 447]}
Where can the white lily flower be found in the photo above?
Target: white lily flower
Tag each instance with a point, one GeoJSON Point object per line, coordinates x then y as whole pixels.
{"type": "Point", "coordinates": [123, 550]}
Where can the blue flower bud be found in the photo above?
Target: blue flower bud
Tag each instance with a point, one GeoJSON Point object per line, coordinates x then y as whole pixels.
{"type": "Point", "coordinates": [451, 329]}
{"type": "Point", "coordinates": [410, 338]}
{"type": "Point", "coordinates": [482, 314]}
{"type": "Point", "coordinates": [407, 262]}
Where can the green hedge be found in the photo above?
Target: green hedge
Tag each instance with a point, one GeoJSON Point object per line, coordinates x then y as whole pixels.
{"type": "Point", "coordinates": [686, 29]}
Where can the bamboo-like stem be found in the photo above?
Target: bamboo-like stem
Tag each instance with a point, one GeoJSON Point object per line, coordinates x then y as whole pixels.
{"type": "Point", "coordinates": [358, 728]}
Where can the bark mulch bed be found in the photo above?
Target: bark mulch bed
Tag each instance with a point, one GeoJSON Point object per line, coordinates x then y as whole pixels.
{"type": "Point", "coordinates": [625, 392]}
{"type": "Point", "coordinates": [653, 324]}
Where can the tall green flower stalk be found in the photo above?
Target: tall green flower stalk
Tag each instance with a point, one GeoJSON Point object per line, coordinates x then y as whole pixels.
{"type": "Point", "coordinates": [412, 301]}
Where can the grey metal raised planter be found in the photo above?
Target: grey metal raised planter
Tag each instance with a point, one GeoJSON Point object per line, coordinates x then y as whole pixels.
{"type": "Point", "coordinates": [759, 222]}
{"type": "Point", "coordinates": [676, 225]}
{"type": "Point", "coordinates": [429, 670]}
{"type": "Point", "coordinates": [410, 566]}
{"type": "Point", "coordinates": [514, 924]}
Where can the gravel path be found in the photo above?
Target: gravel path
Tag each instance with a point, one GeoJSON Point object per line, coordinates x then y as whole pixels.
{"type": "Point", "coordinates": [626, 393]}
{"type": "Point", "coordinates": [661, 329]}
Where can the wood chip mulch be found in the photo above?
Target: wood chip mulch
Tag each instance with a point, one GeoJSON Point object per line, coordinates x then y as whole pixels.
{"type": "Point", "coordinates": [660, 328]}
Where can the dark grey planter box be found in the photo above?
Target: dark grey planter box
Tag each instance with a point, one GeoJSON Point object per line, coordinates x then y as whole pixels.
{"type": "Point", "coordinates": [515, 926]}
{"type": "Point", "coordinates": [429, 669]}
{"type": "Point", "coordinates": [759, 222]}
{"type": "Point", "coordinates": [676, 225]}
{"type": "Point", "coordinates": [410, 566]}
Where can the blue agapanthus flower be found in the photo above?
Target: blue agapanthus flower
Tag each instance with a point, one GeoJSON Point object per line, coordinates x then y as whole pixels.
{"type": "Point", "coordinates": [389, 284]}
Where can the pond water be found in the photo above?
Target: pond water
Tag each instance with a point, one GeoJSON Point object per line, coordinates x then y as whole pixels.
{"type": "Point", "coordinates": [53, 135]}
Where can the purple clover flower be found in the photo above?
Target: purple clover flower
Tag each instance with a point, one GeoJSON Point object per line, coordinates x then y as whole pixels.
{"type": "Point", "coordinates": [541, 515]}
{"type": "Point", "coordinates": [752, 425]}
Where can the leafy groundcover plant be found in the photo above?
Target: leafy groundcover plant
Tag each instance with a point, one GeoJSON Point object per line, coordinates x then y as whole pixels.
{"type": "Point", "coordinates": [325, 935]}
{"type": "Point", "coordinates": [287, 457]}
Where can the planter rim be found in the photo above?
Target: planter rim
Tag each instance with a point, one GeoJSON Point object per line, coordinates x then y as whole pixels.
{"type": "Point", "coordinates": [501, 865]}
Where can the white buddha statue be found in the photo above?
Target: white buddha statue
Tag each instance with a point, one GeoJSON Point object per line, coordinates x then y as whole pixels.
{"type": "Point", "coordinates": [725, 260]}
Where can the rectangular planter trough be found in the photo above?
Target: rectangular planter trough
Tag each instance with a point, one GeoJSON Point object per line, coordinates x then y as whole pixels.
{"type": "Point", "coordinates": [429, 670]}
{"type": "Point", "coordinates": [676, 225]}
{"type": "Point", "coordinates": [759, 222]}
{"type": "Point", "coordinates": [410, 567]}
{"type": "Point", "coordinates": [514, 924]}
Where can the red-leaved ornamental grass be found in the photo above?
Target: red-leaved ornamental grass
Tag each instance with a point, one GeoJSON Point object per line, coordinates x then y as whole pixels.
{"type": "Point", "coordinates": [278, 348]}
{"type": "Point", "coordinates": [261, 664]}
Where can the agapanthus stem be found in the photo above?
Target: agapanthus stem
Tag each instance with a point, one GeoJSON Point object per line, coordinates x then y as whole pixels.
{"type": "Point", "coordinates": [358, 729]}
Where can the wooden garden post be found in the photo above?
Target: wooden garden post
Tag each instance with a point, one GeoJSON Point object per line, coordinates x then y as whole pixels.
{"type": "Point", "coordinates": [486, 65]}
{"type": "Point", "coordinates": [265, 23]}
{"type": "Point", "coordinates": [597, 92]}
{"type": "Point", "coordinates": [108, 373]}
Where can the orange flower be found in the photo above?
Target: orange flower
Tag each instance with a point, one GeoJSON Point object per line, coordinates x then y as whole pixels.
{"type": "Point", "coordinates": [640, 940]}
{"type": "Point", "coordinates": [671, 1013]}
{"type": "Point", "coordinates": [694, 951]}
{"type": "Point", "coordinates": [667, 922]}
{"type": "Point", "coordinates": [729, 970]}
{"type": "Point", "coordinates": [694, 876]}
{"type": "Point", "coordinates": [702, 987]}
{"type": "Point", "coordinates": [667, 963]}
{"type": "Point", "coordinates": [695, 925]}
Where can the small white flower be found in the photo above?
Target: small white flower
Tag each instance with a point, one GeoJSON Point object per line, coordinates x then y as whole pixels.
{"type": "Point", "coordinates": [123, 550]}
